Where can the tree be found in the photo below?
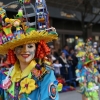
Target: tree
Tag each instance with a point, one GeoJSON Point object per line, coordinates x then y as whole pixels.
{"type": "Point", "coordinates": [85, 8]}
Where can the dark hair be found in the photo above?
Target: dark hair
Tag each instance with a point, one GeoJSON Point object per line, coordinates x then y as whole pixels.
{"type": "Point", "coordinates": [65, 45]}
{"type": "Point", "coordinates": [4, 57]}
{"type": "Point", "coordinates": [61, 52]}
{"type": "Point", "coordinates": [71, 49]}
{"type": "Point", "coordinates": [55, 61]}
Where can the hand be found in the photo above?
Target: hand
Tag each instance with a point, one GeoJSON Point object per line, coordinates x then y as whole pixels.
{"type": "Point", "coordinates": [67, 66]}
{"type": "Point", "coordinates": [70, 58]}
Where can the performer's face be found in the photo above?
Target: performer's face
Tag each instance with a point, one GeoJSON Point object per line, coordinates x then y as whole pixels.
{"type": "Point", "coordinates": [25, 53]}
{"type": "Point", "coordinates": [91, 64]}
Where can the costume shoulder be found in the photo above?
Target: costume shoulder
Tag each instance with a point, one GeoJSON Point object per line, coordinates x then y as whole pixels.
{"type": "Point", "coordinates": [49, 86]}
{"type": "Point", "coordinates": [2, 77]}
{"type": "Point", "coordinates": [3, 72]}
{"type": "Point", "coordinates": [48, 83]}
{"type": "Point", "coordinates": [41, 72]}
{"type": "Point", "coordinates": [50, 68]}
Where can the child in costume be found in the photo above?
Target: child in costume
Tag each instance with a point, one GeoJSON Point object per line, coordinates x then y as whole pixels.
{"type": "Point", "coordinates": [87, 73]}
{"type": "Point", "coordinates": [29, 77]}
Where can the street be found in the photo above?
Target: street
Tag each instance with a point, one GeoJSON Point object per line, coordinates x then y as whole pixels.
{"type": "Point", "coordinates": [71, 95]}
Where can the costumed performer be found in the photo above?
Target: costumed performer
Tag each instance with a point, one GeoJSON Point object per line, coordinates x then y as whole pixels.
{"type": "Point", "coordinates": [87, 73]}
{"type": "Point", "coordinates": [30, 76]}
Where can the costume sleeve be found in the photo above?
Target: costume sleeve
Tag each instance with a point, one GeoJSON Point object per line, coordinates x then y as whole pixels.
{"type": "Point", "coordinates": [1, 90]}
{"type": "Point", "coordinates": [48, 89]}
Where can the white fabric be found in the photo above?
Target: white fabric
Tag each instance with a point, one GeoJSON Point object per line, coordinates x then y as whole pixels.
{"type": "Point", "coordinates": [53, 58]}
{"type": "Point", "coordinates": [64, 59]}
{"type": "Point", "coordinates": [57, 68]}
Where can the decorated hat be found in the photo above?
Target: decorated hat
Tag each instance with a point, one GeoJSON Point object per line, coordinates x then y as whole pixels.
{"type": "Point", "coordinates": [80, 54]}
{"type": "Point", "coordinates": [87, 60]}
{"type": "Point", "coordinates": [91, 58]}
{"type": "Point", "coordinates": [18, 30]}
{"type": "Point", "coordinates": [80, 47]}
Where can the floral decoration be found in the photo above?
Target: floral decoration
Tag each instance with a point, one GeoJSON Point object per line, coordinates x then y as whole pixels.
{"type": "Point", "coordinates": [27, 85]}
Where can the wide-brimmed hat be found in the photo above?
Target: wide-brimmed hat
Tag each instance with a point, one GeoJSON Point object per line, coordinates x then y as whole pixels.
{"type": "Point", "coordinates": [15, 32]}
{"type": "Point", "coordinates": [87, 61]}
{"type": "Point", "coordinates": [32, 37]}
{"type": "Point", "coordinates": [80, 54]}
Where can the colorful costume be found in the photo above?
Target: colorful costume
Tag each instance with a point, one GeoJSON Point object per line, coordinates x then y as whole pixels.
{"type": "Point", "coordinates": [36, 87]}
{"type": "Point", "coordinates": [37, 80]}
{"type": "Point", "coordinates": [87, 73]}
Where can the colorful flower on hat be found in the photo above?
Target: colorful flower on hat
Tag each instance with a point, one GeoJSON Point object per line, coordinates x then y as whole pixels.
{"type": "Point", "coordinates": [27, 85]}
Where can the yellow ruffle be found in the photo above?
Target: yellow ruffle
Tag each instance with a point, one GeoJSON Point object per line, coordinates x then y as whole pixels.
{"type": "Point", "coordinates": [32, 37]}
{"type": "Point", "coordinates": [17, 74]}
{"type": "Point", "coordinates": [81, 54]}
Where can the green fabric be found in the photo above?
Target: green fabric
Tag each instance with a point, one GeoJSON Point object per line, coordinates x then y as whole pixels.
{"type": "Point", "coordinates": [11, 89]}
{"type": "Point", "coordinates": [7, 30]}
{"type": "Point", "coordinates": [1, 95]}
{"type": "Point", "coordinates": [30, 75]}
{"type": "Point", "coordinates": [94, 97]}
{"type": "Point", "coordinates": [30, 29]}
{"type": "Point", "coordinates": [52, 32]}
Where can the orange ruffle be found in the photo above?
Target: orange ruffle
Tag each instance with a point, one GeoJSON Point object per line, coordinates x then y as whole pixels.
{"type": "Point", "coordinates": [42, 50]}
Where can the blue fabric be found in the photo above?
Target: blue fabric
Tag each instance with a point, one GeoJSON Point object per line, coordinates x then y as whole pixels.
{"type": "Point", "coordinates": [41, 93]}
{"type": "Point", "coordinates": [65, 52]}
{"type": "Point", "coordinates": [83, 72]}
{"type": "Point", "coordinates": [79, 65]}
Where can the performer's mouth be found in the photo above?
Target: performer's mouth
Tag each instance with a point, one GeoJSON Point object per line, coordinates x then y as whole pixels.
{"type": "Point", "coordinates": [25, 55]}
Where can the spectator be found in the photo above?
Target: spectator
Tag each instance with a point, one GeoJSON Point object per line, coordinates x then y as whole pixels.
{"type": "Point", "coordinates": [3, 61]}
{"type": "Point", "coordinates": [99, 50]}
{"type": "Point", "coordinates": [70, 73]}
{"type": "Point", "coordinates": [61, 80]}
{"type": "Point", "coordinates": [62, 60]}
{"type": "Point", "coordinates": [66, 50]}
{"type": "Point", "coordinates": [74, 61]}
{"type": "Point", "coordinates": [54, 54]}
{"type": "Point", "coordinates": [57, 67]}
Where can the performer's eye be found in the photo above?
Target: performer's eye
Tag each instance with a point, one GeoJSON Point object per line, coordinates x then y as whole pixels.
{"type": "Point", "coordinates": [30, 46]}
{"type": "Point", "coordinates": [21, 46]}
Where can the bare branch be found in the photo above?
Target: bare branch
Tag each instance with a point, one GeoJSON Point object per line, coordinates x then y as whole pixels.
{"type": "Point", "coordinates": [96, 21]}
{"type": "Point", "coordinates": [77, 18]}
{"type": "Point", "coordinates": [94, 17]}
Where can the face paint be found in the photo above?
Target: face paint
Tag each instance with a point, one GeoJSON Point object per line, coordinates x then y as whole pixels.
{"type": "Point", "coordinates": [25, 53]}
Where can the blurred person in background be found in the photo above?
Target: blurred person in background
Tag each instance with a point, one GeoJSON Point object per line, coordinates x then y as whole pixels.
{"type": "Point", "coordinates": [63, 60]}
{"type": "Point", "coordinates": [57, 67]}
{"type": "Point", "coordinates": [70, 73]}
{"type": "Point", "coordinates": [3, 61]}
{"type": "Point", "coordinates": [66, 50]}
{"type": "Point", "coordinates": [74, 61]}
{"type": "Point", "coordinates": [54, 54]}
{"type": "Point", "coordinates": [99, 50]}
{"type": "Point", "coordinates": [61, 80]}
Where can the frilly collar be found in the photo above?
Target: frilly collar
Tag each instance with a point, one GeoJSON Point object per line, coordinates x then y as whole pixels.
{"type": "Point", "coordinates": [17, 74]}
